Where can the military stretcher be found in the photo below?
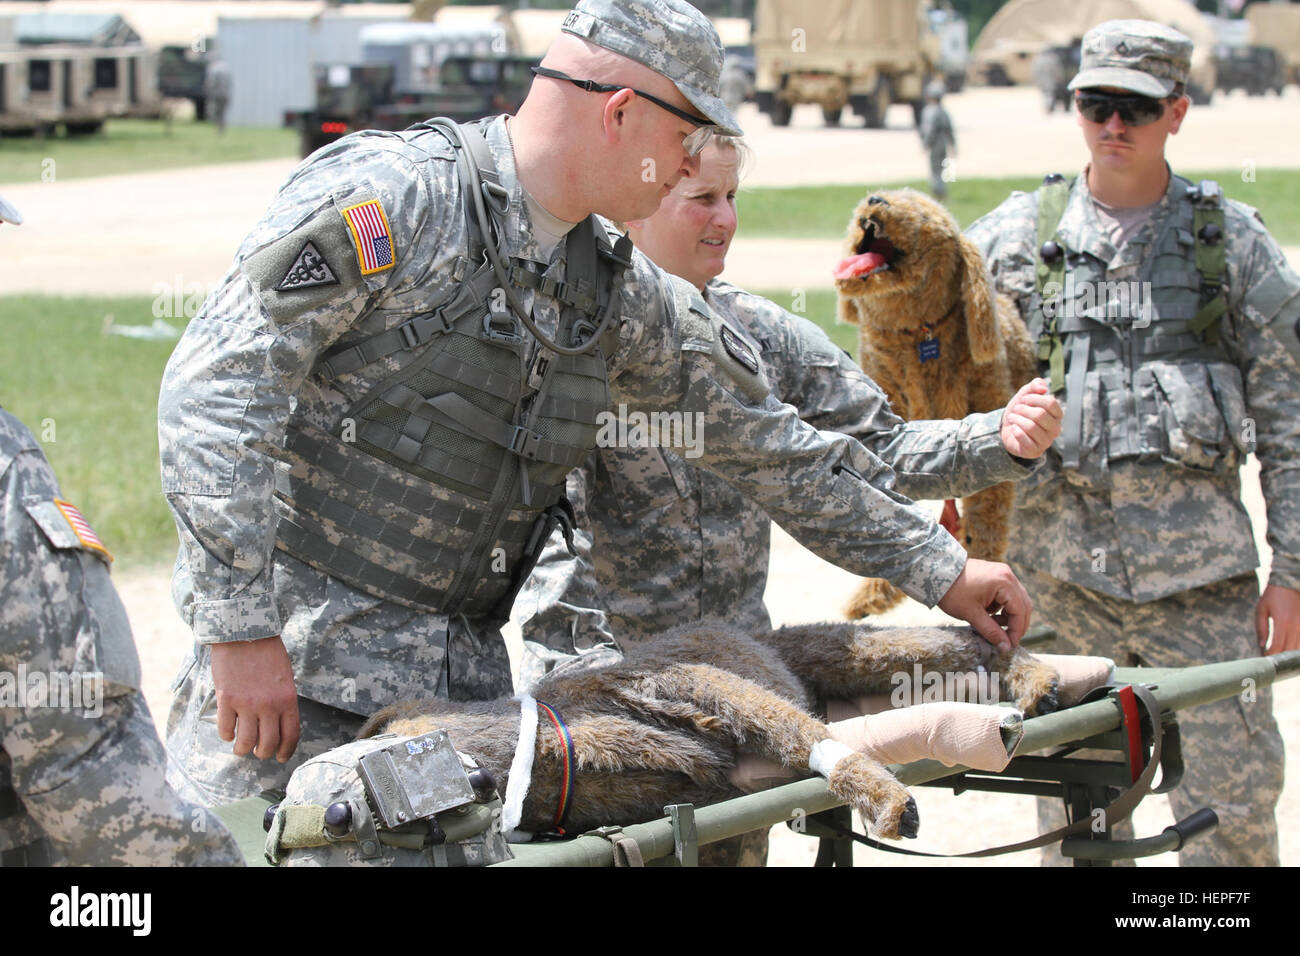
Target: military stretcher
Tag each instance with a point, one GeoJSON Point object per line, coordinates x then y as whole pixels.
{"type": "Point", "coordinates": [1115, 720]}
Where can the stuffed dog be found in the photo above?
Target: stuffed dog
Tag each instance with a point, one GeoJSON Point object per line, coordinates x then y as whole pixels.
{"type": "Point", "coordinates": [932, 335]}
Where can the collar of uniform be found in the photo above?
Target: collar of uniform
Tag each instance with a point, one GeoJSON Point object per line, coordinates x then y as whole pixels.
{"type": "Point", "coordinates": [1083, 231]}
{"type": "Point", "coordinates": [518, 240]}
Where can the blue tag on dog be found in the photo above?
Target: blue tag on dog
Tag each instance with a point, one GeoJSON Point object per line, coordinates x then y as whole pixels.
{"type": "Point", "coordinates": [929, 349]}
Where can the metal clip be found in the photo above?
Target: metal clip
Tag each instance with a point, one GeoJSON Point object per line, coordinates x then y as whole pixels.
{"type": "Point", "coordinates": [524, 442]}
{"type": "Point", "coordinates": [685, 848]}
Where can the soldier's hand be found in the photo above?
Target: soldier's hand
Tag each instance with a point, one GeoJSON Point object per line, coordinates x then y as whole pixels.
{"type": "Point", "coordinates": [257, 702]}
{"type": "Point", "coordinates": [1031, 421]}
{"type": "Point", "coordinates": [988, 596]}
{"type": "Point", "coordinates": [1282, 606]}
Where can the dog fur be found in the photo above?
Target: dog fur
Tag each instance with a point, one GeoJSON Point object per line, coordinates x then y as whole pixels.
{"type": "Point", "coordinates": [933, 284]}
{"type": "Point", "coordinates": [667, 723]}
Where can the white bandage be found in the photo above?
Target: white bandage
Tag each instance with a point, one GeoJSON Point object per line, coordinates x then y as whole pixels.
{"type": "Point", "coordinates": [950, 732]}
{"type": "Point", "coordinates": [825, 755]}
{"type": "Point", "coordinates": [1076, 674]}
{"type": "Point", "coordinates": [521, 771]}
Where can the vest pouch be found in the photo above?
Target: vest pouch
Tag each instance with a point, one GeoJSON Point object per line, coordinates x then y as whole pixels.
{"type": "Point", "coordinates": [1191, 419]}
{"type": "Point", "coordinates": [450, 824]}
{"type": "Point", "coordinates": [1230, 396]}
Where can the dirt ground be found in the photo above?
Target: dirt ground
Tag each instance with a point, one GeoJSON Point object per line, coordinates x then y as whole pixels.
{"type": "Point", "coordinates": [151, 233]}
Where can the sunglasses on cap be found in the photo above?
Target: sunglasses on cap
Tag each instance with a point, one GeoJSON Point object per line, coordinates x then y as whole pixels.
{"type": "Point", "coordinates": [693, 143]}
{"type": "Point", "coordinates": [1133, 108]}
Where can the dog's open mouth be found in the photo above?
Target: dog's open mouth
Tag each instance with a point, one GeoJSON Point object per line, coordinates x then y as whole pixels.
{"type": "Point", "coordinates": [875, 253]}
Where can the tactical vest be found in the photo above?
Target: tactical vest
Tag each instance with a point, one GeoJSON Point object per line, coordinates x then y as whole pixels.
{"type": "Point", "coordinates": [1141, 362]}
{"type": "Point", "coordinates": [445, 494]}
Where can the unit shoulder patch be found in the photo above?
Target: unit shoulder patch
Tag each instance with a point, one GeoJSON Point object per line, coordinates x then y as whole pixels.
{"type": "Point", "coordinates": [309, 269]}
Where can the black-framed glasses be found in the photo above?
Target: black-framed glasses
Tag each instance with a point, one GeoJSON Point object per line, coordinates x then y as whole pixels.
{"type": "Point", "coordinates": [1133, 108]}
{"type": "Point", "coordinates": [694, 142]}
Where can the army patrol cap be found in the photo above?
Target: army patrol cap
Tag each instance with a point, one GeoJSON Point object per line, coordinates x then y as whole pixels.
{"type": "Point", "coordinates": [669, 36]}
{"type": "Point", "coordinates": [1136, 55]}
{"type": "Point", "coordinates": [9, 214]}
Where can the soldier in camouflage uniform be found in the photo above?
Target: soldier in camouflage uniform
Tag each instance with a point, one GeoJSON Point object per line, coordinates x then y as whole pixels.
{"type": "Point", "coordinates": [660, 542]}
{"type": "Point", "coordinates": [1134, 541]}
{"type": "Point", "coordinates": [937, 136]}
{"type": "Point", "coordinates": [81, 766]}
{"type": "Point", "coordinates": [364, 438]}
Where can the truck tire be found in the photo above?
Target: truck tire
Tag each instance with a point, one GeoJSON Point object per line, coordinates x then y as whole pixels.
{"type": "Point", "coordinates": [781, 113]}
{"type": "Point", "coordinates": [917, 107]}
{"type": "Point", "coordinates": [831, 117]}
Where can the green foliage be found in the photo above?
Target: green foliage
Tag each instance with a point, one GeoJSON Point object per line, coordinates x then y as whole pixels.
{"type": "Point", "coordinates": [91, 399]}
{"type": "Point", "coordinates": [131, 146]}
{"type": "Point", "coordinates": [822, 212]}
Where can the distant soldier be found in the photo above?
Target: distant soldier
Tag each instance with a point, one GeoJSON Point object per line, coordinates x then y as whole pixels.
{"type": "Point", "coordinates": [937, 136]}
{"type": "Point", "coordinates": [216, 87]}
{"type": "Point", "coordinates": [1050, 78]}
{"type": "Point", "coordinates": [81, 766]}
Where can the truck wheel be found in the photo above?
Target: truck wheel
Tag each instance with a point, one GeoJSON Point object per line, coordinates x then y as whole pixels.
{"type": "Point", "coordinates": [917, 107]}
{"type": "Point", "coordinates": [831, 117]}
{"type": "Point", "coordinates": [781, 113]}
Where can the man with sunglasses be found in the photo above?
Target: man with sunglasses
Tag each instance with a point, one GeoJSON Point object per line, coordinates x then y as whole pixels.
{"type": "Point", "coordinates": [365, 430]}
{"type": "Point", "coordinates": [1167, 318]}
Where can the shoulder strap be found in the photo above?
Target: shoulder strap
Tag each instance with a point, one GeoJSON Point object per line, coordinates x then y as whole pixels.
{"type": "Point", "coordinates": [1209, 224]}
{"type": "Point", "coordinates": [1050, 272]}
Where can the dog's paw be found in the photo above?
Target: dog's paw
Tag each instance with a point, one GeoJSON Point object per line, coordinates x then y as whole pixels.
{"type": "Point", "coordinates": [883, 803]}
{"type": "Point", "coordinates": [875, 596]}
{"type": "Point", "coordinates": [1033, 685]}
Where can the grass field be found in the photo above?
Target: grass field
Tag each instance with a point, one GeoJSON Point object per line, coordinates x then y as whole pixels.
{"type": "Point", "coordinates": [803, 212]}
{"type": "Point", "coordinates": [91, 399]}
{"type": "Point", "coordinates": [131, 146]}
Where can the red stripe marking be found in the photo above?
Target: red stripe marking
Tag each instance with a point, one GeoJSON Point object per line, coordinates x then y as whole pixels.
{"type": "Point", "coordinates": [1133, 724]}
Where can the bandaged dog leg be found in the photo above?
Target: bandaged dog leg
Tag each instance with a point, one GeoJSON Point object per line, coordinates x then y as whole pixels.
{"type": "Point", "coordinates": [752, 773]}
{"type": "Point", "coordinates": [1078, 674]}
{"type": "Point", "coordinates": [973, 735]}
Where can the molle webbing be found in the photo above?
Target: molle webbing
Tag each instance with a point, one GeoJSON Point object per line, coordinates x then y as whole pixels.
{"type": "Point", "coordinates": [457, 459]}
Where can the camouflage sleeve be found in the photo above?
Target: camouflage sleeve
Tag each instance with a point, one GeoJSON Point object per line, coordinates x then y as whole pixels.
{"type": "Point", "coordinates": [561, 606]}
{"type": "Point", "coordinates": [1265, 295]}
{"type": "Point", "coordinates": [228, 387]}
{"type": "Point", "coordinates": [78, 741]}
{"type": "Point", "coordinates": [1005, 238]}
{"type": "Point", "coordinates": [930, 459]}
{"type": "Point", "coordinates": [832, 494]}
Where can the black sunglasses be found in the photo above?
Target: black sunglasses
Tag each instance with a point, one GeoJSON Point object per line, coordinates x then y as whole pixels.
{"type": "Point", "coordinates": [693, 143]}
{"type": "Point", "coordinates": [1134, 109]}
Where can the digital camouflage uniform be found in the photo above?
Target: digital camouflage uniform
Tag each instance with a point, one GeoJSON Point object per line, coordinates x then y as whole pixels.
{"type": "Point", "coordinates": [661, 542]}
{"type": "Point", "coordinates": [246, 381]}
{"type": "Point", "coordinates": [935, 127]}
{"type": "Point", "coordinates": [1143, 552]}
{"type": "Point", "coordinates": [83, 783]}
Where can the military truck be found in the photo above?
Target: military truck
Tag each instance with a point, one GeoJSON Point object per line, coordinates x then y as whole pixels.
{"type": "Point", "coordinates": [838, 53]}
{"type": "Point", "coordinates": [1278, 26]}
{"type": "Point", "coordinates": [1255, 69]}
{"type": "Point", "coordinates": [413, 71]}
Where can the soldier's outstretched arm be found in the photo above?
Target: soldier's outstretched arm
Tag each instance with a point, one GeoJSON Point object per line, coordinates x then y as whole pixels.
{"type": "Point", "coordinates": [829, 491]}
{"type": "Point", "coordinates": [944, 458]}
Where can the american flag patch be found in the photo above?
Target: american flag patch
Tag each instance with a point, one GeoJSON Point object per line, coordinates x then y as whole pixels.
{"type": "Point", "coordinates": [371, 236]}
{"type": "Point", "coordinates": [81, 527]}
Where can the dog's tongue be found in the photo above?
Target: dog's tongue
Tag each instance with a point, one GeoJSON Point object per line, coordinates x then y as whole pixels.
{"type": "Point", "coordinates": [858, 265]}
